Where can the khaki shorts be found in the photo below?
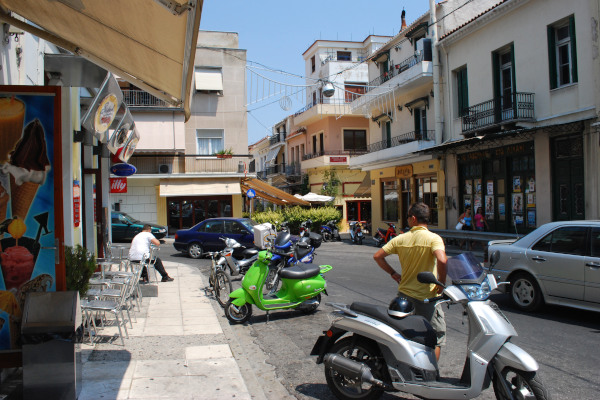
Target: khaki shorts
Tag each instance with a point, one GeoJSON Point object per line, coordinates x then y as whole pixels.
{"type": "Point", "coordinates": [432, 313]}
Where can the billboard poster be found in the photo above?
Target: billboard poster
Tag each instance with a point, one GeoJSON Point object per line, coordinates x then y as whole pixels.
{"type": "Point", "coordinates": [28, 122]}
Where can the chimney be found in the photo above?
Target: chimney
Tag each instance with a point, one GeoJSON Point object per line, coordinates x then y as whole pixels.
{"type": "Point", "coordinates": [403, 27]}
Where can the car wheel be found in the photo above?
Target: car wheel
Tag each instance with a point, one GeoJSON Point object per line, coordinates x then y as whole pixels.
{"type": "Point", "coordinates": [195, 250]}
{"type": "Point", "coordinates": [525, 293]}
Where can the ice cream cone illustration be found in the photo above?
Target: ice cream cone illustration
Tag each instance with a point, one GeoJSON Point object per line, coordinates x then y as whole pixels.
{"type": "Point", "coordinates": [28, 168]}
{"type": "Point", "coordinates": [12, 113]}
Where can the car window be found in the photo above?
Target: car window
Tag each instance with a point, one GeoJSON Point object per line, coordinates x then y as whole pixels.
{"type": "Point", "coordinates": [115, 218]}
{"type": "Point", "coordinates": [235, 228]}
{"type": "Point", "coordinates": [566, 240]}
{"type": "Point", "coordinates": [123, 219]}
{"type": "Point", "coordinates": [596, 242]}
{"type": "Point", "coordinates": [248, 223]}
{"type": "Point", "coordinates": [213, 227]}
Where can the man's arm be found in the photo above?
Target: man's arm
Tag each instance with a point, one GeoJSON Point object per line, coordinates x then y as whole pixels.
{"type": "Point", "coordinates": [442, 259]}
{"type": "Point", "coordinates": [155, 241]}
{"type": "Point", "coordinates": [379, 258]}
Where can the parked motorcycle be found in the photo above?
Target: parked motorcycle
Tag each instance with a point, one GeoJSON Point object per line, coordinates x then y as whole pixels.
{"type": "Point", "coordinates": [301, 287]}
{"type": "Point", "coordinates": [356, 233]}
{"type": "Point", "coordinates": [383, 236]}
{"type": "Point", "coordinates": [305, 228]}
{"type": "Point", "coordinates": [237, 257]}
{"type": "Point", "coordinates": [388, 353]}
{"type": "Point", "coordinates": [329, 231]}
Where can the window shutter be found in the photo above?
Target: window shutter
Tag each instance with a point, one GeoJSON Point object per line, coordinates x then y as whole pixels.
{"type": "Point", "coordinates": [497, 89]}
{"type": "Point", "coordinates": [514, 69]}
{"type": "Point", "coordinates": [573, 48]}
{"type": "Point", "coordinates": [465, 85]}
{"type": "Point", "coordinates": [552, 57]}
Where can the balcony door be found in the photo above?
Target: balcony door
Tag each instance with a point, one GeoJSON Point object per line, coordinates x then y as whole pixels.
{"type": "Point", "coordinates": [504, 83]}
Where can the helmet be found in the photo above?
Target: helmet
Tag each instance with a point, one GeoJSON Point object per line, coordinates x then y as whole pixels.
{"type": "Point", "coordinates": [400, 307]}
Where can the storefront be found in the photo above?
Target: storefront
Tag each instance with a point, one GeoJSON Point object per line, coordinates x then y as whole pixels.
{"type": "Point", "coordinates": [502, 181]}
{"type": "Point", "coordinates": [185, 212]}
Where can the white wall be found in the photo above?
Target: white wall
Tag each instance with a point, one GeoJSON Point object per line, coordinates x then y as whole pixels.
{"type": "Point", "coordinates": [140, 199]}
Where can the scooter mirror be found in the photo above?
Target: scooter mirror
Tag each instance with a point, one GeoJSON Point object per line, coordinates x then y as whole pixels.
{"type": "Point", "coordinates": [428, 277]}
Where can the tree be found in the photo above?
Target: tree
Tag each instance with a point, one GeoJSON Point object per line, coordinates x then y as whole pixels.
{"type": "Point", "coordinates": [331, 183]}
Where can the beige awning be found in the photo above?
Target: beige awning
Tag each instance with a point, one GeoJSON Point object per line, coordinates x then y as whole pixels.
{"type": "Point", "coordinates": [271, 193]}
{"type": "Point", "coordinates": [194, 187]}
{"type": "Point", "coordinates": [364, 189]}
{"type": "Point", "coordinates": [208, 79]}
{"type": "Point", "coordinates": [142, 41]}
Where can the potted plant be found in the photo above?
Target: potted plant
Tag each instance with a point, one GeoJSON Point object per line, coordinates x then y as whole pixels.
{"type": "Point", "coordinates": [225, 153]}
{"type": "Point", "coordinates": [80, 265]}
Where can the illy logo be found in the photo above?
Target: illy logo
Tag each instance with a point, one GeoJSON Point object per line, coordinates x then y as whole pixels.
{"type": "Point", "coordinates": [118, 185]}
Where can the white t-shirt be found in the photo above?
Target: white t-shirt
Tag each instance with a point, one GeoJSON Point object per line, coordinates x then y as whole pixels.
{"type": "Point", "coordinates": [140, 245]}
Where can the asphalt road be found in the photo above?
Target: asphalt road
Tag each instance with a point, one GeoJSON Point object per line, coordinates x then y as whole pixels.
{"type": "Point", "coordinates": [565, 342]}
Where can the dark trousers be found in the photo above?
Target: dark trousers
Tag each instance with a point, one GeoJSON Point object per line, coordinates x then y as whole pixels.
{"type": "Point", "coordinates": [158, 265]}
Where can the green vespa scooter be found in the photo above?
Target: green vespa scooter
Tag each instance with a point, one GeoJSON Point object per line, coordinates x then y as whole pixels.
{"type": "Point", "coordinates": [301, 287]}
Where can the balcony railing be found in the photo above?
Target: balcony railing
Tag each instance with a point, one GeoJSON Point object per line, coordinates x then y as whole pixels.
{"type": "Point", "coordinates": [182, 164]}
{"type": "Point", "coordinates": [276, 169]}
{"type": "Point", "coordinates": [262, 175]}
{"type": "Point", "coordinates": [334, 153]}
{"type": "Point", "coordinates": [140, 98]}
{"type": "Point", "coordinates": [293, 169]}
{"type": "Point", "coordinates": [519, 106]}
{"type": "Point", "coordinates": [396, 70]}
{"type": "Point", "coordinates": [402, 139]}
{"type": "Point", "coordinates": [276, 138]}
{"type": "Point", "coordinates": [329, 58]}
{"type": "Point", "coordinates": [327, 101]}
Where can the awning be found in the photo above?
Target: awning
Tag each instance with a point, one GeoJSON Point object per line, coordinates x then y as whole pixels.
{"type": "Point", "coordinates": [364, 189]}
{"type": "Point", "coordinates": [272, 154]}
{"type": "Point", "coordinates": [150, 43]}
{"type": "Point", "coordinates": [271, 193]}
{"type": "Point", "coordinates": [208, 79]}
{"type": "Point", "coordinates": [194, 187]}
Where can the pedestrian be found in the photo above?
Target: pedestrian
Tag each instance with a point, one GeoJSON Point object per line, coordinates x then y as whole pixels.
{"type": "Point", "coordinates": [480, 221]}
{"type": "Point", "coordinates": [418, 250]}
{"type": "Point", "coordinates": [467, 221]}
{"type": "Point", "coordinates": [140, 248]}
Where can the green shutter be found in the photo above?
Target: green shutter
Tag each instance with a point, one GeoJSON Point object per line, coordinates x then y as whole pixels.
{"type": "Point", "coordinates": [463, 92]}
{"type": "Point", "coordinates": [573, 48]}
{"type": "Point", "coordinates": [552, 57]}
{"type": "Point", "coordinates": [514, 79]}
{"type": "Point", "coordinates": [497, 90]}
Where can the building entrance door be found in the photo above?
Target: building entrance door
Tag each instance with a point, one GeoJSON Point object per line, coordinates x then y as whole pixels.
{"type": "Point", "coordinates": [568, 185]}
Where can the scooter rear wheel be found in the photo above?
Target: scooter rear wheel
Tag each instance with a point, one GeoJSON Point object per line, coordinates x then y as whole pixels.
{"type": "Point", "coordinates": [326, 236]}
{"type": "Point", "coordinates": [361, 350]}
{"type": "Point", "coordinates": [238, 315]}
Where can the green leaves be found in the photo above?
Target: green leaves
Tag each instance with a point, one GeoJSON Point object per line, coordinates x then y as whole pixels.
{"type": "Point", "coordinates": [80, 265]}
{"type": "Point", "coordinates": [296, 215]}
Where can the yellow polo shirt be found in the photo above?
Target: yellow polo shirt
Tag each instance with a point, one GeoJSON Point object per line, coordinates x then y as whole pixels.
{"type": "Point", "coordinates": [415, 251]}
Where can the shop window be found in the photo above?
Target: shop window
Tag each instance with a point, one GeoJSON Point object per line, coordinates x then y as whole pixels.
{"type": "Point", "coordinates": [428, 193]}
{"type": "Point", "coordinates": [390, 200]}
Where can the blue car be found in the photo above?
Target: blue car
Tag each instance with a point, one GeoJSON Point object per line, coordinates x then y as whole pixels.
{"type": "Point", "coordinates": [205, 235]}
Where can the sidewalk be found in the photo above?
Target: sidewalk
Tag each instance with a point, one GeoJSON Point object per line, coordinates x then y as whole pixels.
{"type": "Point", "coordinates": [176, 349]}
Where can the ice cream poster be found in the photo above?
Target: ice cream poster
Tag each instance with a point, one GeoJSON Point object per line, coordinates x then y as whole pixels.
{"type": "Point", "coordinates": [27, 231]}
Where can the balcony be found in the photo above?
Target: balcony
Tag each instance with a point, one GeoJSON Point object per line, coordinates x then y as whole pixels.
{"type": "Point", "coordinates": [276, 169]}
{"type": "Point", "coordinates": [188, 164]}
{"type": "Point", "coordinates": [140, 98]}
{"type": "Point", "coordinates": [498, 111]}
{"type": "Point", "coordinates": [401, 139]}
{"type": "Point", "coordinates": [325, 106]}
{"type": "Point", "coordinates": [333, 153]}
{"type": "Point", "coordinates": [396, 70]}
{"type": "Point", "coordinates": [293, 169]}
{"type": "Point", "coordinates": [277, 138]}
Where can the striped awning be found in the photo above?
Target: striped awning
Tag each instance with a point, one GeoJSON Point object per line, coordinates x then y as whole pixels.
{"type": "Point", "coordinates": [271, 193]}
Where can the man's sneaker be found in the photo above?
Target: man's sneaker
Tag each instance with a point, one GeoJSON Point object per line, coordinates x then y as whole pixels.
{"type": "Point", "coordinates": [167, 279]}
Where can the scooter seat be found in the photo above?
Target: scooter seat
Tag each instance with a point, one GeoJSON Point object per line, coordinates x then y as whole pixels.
{"type": "Point", "coordinates": [414, 327]}
{"type": "Point", "coordinates": [300, 271]}
{"type": "Point", "coordinates": [250, 253]}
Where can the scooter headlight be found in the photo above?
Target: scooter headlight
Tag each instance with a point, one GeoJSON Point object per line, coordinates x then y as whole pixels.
{"type": "Point", "coordinates": [477, 292]}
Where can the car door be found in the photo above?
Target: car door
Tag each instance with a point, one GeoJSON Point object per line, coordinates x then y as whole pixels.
{"type": "Point", "coordinates": [213, 230]}
{"type": "Point", "coordinates": [118, 226]}
{"type": "Point", "coordinates": [558, 260]}
{"type": "Point", "coordinates": [592, 268]}
{"type": "Point", "coordinates": [237, 231]}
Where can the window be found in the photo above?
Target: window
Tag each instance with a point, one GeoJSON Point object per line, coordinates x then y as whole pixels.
{"type": "Point", "coordinates": [235, 228]}
{"type": "Point", "coordinates": [462, 91]}
{"type": "Point", "coordinates": [504, 74]}
{"type": "Point", "coordinates": [344, 56]}
{"type": "Point", "coordinates": [427, 193]}
{"type": "Point", "coordinates": [595, 242]}
{"type": "Point", "coordinates": [562, 53]}
{"type": "Point", "coordinates": [213, 227]}
{"type": "Point", "coordinates": [386, 133]}
{"type": "Point", "coordinates": [208, 80]}
{"type": "Point", "coordinates": [353, 90]}
{"type": "Point", "coordinates": [321, 143]}
{"type": "Point", "coordinates": [314, 144]}
{"type": "Point", "coordinates": [566, 240]}
{"type": "Point", "coordinates": [355, 140]}
{"type": "Point", "coordinates": [209, 141]}
{"type": "Point", "coordinates": [389, 189]}
{"type": "Point", "coordinates": [420, 115]}
{"type": "Point", "coordinates": [312, 62]}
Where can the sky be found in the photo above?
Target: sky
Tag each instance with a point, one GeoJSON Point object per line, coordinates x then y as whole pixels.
{"type": "Point", "coordinates": [276, 33]}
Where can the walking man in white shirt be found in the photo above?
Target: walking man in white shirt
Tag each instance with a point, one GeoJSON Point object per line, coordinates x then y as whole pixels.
{"type": "Point", "coordinates": [140, 246]}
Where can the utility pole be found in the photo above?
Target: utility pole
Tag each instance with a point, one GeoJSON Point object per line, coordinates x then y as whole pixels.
{"type": "Point", "coordinates": [435, 59]}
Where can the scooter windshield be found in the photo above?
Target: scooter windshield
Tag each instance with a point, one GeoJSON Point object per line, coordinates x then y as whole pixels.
{"type": "Point", "coordinates": [464, 268]}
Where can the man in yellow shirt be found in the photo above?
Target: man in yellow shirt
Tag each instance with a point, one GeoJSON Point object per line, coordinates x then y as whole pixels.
{"type": "Point", "coordinates": [418, 250]}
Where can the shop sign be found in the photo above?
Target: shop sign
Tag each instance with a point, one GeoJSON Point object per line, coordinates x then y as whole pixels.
{"type": "Point", "coordinates": [122, 169]}
{"type": "Point", "coordinates": [76, 204]}
{"type": "Point", "coordinates": [404, 171]}
{"type": "Point", "coordinates": [338, 159]}
{"type": "Point", "coordinates": [118, 185]}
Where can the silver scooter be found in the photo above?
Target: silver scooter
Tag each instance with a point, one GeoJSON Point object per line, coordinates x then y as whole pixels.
{"type": "Point", "coordinates": [366, 351]}
{"type": "Point", "coordinates": [236, 264]}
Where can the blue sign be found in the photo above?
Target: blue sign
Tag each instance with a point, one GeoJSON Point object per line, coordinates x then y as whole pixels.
{"type": "Point", "coordinates": [251, 193]}
{"type": "Point", "coordinates": [123, 169]}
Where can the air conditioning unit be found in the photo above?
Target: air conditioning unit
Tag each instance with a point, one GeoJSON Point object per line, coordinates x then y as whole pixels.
{"type": "Point", "coordinates": [164, 168]}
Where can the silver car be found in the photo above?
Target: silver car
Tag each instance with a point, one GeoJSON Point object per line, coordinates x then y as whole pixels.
{"type": "Point", "coordinates": [558, 263]}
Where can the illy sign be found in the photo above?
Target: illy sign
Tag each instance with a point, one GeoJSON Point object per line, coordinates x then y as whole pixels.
{"type": "Point", "coordinates": [118, 185]}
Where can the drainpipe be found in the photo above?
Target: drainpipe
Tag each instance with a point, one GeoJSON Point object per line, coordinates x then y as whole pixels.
{"type": "Point", "coordinates": [437, 97]}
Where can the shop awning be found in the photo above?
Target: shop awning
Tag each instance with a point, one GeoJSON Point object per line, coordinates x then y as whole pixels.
{"type": "Point", "coordinates": [208, 79]}
{"type": "Point", "coordinates": [191, 187]}
{"type": "Point", "coordinates": [271, 193]}
{"type": "Point", "coordinates": [364, 189]}
{"type": "Point", "coordinates": [150, 43]}
{"type": "Point", "coordinates": [272, 154]}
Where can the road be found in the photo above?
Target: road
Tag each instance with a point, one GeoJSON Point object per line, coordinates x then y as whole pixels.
{"type": "Point", "coordinates": [565, 342]}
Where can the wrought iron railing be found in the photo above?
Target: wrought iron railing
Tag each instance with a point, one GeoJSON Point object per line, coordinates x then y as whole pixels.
{"type": "Point", "coordinates": [325, 101]}
{"type": "Point", "coordinates": [293, 169]}
{"type": "Point", "coordinates": [402, 139]}
{"type": "Point", "coordinates": [276, 169]}
{"type": "Point", "coordinates": [518, 106]}
{"type": "Point", "coordinates": [276, 138]}
{"type": "Point", "coordinates": [344, 58]}
{"type": "Point", "coordinates": [140, 98]}
{"type": "Point", "coordinates": [181, 164]}
{"type": "Point", "coordinates": [334, 153]}
{"type": "Point", "coordinates": [262, 175]}
{"type": "Point", "coordinates": [396, 70]}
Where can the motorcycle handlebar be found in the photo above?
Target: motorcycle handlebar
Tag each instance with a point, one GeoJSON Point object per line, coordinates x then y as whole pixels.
{"type": "Point", "coordinates": [434, 299]}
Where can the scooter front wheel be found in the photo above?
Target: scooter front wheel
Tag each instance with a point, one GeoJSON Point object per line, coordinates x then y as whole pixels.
{"type": "Point", "coordinates": [515, 384]}
{"type": "Point", "coordinates": [238, 315]}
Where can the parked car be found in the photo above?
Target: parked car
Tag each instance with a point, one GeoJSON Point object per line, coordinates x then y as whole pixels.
{"type": "Point", "coordinates": [558, 263]}
{"type": "Point", "coordinates": [205, 235]}
{"type": "Point", "coordinates": [125, 227]}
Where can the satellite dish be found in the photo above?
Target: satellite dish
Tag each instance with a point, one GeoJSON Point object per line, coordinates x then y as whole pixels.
{"type": "Point", "coordinates": [328, 89]}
